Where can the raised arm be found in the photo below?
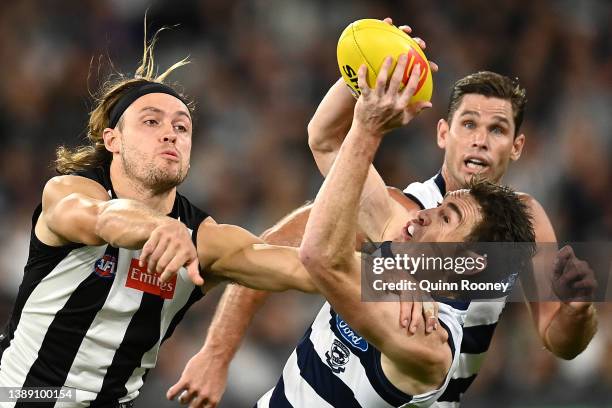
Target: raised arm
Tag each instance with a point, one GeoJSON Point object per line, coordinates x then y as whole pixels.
{"type": "Point", "coordinates": [326, 131]}
{"type": "Point", "coordinates": [205, 375]}
{"type": "Point", "coordinates": [326, 250]}
{"type": "Point", "coordinates": [78, 210]}
{"type": "Point", "coordinates": [566, 328]}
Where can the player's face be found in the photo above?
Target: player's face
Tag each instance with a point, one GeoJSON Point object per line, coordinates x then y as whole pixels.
{"type": "Point", "coordinates": [156, 141]}
{"type": "Point", "coordinates": [480, 139]}
{"type": "Point", "coordinates": [452, 221]}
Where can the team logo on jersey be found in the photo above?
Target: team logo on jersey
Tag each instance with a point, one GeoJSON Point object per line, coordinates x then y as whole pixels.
{"type": "Point", "coordinates": [105, 266]}
{"type": "Point", "coordinates": [337, 357]}
{"type": "Point", "coordinates": [139, 278]}
{"type": "Point", "coordinates": [351, 335]}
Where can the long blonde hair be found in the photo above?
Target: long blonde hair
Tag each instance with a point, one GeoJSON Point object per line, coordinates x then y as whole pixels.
{"type": "Point", "coordinates": [94, 154]}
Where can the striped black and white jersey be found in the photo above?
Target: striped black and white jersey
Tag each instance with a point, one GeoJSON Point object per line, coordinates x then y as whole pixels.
{"type": "Point", "coordinates": [481, 318]}
{"type": "Point", "coordinates": [333, 366]}
{"type": "Point", "coordinates": [89, 318]}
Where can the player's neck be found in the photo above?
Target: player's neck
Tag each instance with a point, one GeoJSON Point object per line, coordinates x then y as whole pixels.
{"type": "Point", "coordinates": [126, 187]}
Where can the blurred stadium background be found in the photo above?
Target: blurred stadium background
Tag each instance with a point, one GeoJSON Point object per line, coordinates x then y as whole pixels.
{"type": "Point", "coordinates": [259, 69]}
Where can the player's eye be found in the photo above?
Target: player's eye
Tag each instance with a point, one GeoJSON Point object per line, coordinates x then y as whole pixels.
{"type": "Point", "coordinates": [180, 128]}
{"type": "Point", "coordinates": [446, 219]}
{"type": "Point", "coordinates": [498, 130]}
{"type": "Point", "coordinates": [151, 122]}
{"type": "Point", "coordinates": [468, 124]}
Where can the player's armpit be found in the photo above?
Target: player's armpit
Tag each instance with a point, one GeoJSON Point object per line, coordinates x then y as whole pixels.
{"type": "Point", "coordinates": [70, 209]}
{"type": "Point", "coordinates": [236, 254]}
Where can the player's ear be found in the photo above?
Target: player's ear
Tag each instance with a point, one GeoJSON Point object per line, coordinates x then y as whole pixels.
{"type": "Point", "coordinates": [517, 147]}
{"type": "Point", "coordinates": [442, 134]}
{"type": "Point", "coordinates": [112, 141]}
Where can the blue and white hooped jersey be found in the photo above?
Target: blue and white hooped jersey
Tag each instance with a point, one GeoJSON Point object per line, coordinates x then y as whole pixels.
{"type": "Point", "coordinates": [335, 367]}
{"type": "Point", "coordinates": [481, 318]}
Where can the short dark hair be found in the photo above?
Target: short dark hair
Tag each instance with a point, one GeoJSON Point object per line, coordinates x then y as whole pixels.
{"type": "Point", "coordinates": [505, 217]}
{"type": "Point", "coordinates": [490, 84]}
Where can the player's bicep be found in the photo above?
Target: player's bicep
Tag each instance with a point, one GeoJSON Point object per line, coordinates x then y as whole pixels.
{"type": "Point", "coordinates": [70, 210]}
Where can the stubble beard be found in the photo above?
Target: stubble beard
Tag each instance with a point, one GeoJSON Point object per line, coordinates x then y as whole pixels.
{"type": "Point", "coordinates": [145, 172]}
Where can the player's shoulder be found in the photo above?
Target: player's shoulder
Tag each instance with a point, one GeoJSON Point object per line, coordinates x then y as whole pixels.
{"type": "Point", "coordinates": [531, 202]}
{"type": "Point", "coordinates": [189, 213]}
{"type": "Point", "coordinates": [63, 185]}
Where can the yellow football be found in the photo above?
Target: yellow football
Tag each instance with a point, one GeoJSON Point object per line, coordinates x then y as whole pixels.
{"type": "Point", "coordinates": [368, 42]}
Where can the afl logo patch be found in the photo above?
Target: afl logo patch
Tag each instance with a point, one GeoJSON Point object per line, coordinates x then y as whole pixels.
{"type": "Point", "coordinates": [351, 335]}
{"type": "Point", "coordinates": [105, 266]}
{"type": "Point", "coordinates": [337, 356]}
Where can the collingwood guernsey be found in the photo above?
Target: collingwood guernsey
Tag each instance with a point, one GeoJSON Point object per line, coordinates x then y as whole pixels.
{"type": "Point", "coordinates": [335, 367]}
{"type": "Point", "coordinates": [89, 318]}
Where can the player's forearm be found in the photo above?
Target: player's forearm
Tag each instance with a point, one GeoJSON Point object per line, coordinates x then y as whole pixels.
{"type": "Point", "coordinates": [234, 313]}
{"type": "Point", "coordinates": [570, 330]}
{"type": "Point", "coordinates": [330, 124]}
{"type": "Point", "coordinates": [329, 236]}
{"type": "Point", "coordinates": [127, 223]}
{"type": "Point", "coordinates": [265, 267]}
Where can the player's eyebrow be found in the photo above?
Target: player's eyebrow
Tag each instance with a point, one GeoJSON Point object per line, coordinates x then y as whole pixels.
{"type": "Point", "coordinates": [157, 110]}
{"type": "Point", "coordinates": [502, 119]}
{"type": "Point", "coordinates": [454, 207]}
{"type": "Point", "coordinates": [470, 112]}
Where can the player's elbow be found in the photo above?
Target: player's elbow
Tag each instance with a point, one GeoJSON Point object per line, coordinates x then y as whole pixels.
{"type": "Point", "coordinates": [107, 224]}
{"type": "Point", "coordinates": [319, 260]}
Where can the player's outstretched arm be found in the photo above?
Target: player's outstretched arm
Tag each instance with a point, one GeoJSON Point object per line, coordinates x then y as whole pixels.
{"type": "Point", "coordinates": [204, 378]}
{"type": "Point", "coordinates": [327, 250]}
{"type": "Point", "coordinates": [567, 327]}
{"type": "Point", "coordinates": [233, 253]}
{"type": "Point", "coordinates": [78, 210]}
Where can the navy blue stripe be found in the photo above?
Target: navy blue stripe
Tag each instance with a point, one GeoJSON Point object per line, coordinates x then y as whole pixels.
{"type": "Point", "coordinates": [476, 339]}
{"type": "Point", "coordinates": [439, 180]}
{"type": "Point", "coordinates": [416, 200]}
{"type": "Point", "coordinates": [67, 331]}
{"type": "Point", "coordinates": [370, 360]}
{"type": "Point", "coordinates": [456, 387]}
{"type": "Point", "coordinates": [278, 398]}
{"type": "Point", "coordinates": [385, 250]}
{"type": "Point", "coordinates": [320, 377]}
{"type": "Point", "coordinates": [142, 334]}
{"type": "Point", "coordinates": [196, 294]}
{"type": "Point", "coordinates": [451, 342]}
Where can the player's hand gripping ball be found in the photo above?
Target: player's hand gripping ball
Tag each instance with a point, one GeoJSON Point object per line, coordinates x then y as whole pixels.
{"type": "Point", "coordinates": [368, 42]}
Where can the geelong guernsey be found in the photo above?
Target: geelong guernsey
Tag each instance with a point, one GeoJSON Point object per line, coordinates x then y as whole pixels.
{"type": "Point", "coordinates": [334, 367]}
{"type": "Point", "coordinates": [89, 318]}
{"type": "Point", "coordinates": [481, 318]}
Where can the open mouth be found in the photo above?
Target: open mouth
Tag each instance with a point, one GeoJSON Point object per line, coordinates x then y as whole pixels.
{"type": "Point", "coordinates": [475, 164]}
{"type": "Point", "coordinates": [408, 231]}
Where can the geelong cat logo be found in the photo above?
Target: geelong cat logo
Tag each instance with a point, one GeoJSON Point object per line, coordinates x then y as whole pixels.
{"type": "Point", "coordinates": [350, 335]}
{"type": "Point", "coordinates": [337, 356]}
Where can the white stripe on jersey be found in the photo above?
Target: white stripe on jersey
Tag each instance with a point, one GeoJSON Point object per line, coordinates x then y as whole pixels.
{"type": "Point", "coordinates": [480, 313]}
{"type": "Point", "coordinates": [105, 334]}
{"type": "Point", "coordinates": [354, 375]}
{"type": "Point", "coordinates": [427, 193]}
{"type": "Point", "coordinates": [49, 296]}
{"type": "Point", "coordinates": [301, 394]}
{"type": "Point", "coordinates": [469, 364]}
{"type": "Point", "coordinates": [297, 390]}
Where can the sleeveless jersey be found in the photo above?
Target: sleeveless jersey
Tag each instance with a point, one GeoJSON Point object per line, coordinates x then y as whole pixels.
{"type": "Point", "coordinates": [481, 318]}
{"type": "Point", "coordinates": [333, 366]}
{"type": "Point", "coordinates": [89, 318]}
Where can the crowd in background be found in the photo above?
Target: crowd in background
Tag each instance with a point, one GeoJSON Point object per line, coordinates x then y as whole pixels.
{"type": "Point", "coordinates": [259, 69]}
